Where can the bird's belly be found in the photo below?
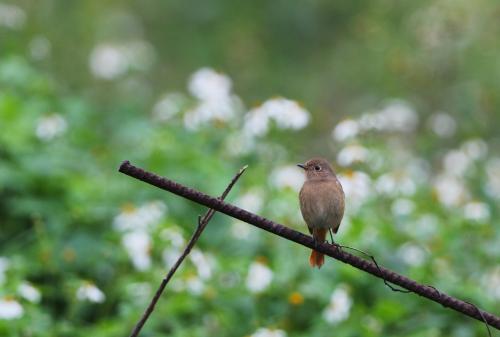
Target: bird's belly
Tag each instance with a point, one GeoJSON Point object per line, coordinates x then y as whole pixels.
{"type": "Point", "coordinates": [325, 214]}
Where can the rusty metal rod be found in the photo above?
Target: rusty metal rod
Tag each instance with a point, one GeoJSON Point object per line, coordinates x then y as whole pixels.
{"type": "Point", "coordinates": [305, 240]}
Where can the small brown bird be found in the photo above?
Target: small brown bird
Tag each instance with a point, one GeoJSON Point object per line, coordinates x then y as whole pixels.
{"type": "Point", "coordinates": [321, 203]}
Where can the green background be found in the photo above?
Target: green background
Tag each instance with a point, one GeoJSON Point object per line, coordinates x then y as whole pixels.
{"type": "Point", "coordinates": [61, 194]}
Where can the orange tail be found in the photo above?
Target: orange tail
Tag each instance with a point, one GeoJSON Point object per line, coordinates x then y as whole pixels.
{"type": "Point", "coordinates": [317, 259]}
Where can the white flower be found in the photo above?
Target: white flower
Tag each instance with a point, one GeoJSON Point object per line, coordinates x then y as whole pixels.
{"type": "Point", "coordinates": [10, 309]}
{"type": "Point", "coordinates": [399, 116]}
{"type": "Point", "coordinates": [256, 123]}
{"type": "Point", "coordinates": [137, 244]}
{"type": "Point", "coordinates": [168, 106]}
{"type": "Point", "coordinates": [223, 109]}
{"type": "Point", "coordinates": [39, 47]}
{"type": "Point", "coordinates": [286, 113]}
{"type": "Point", "coordinates": [402, 207]}
{"type": "Point", "coordinates": [265, 332]}
{"type": "Point", "coordinates": [475, 149]}
{"type": "Point", "coordinates": [89, 292]}
{"type": "Point", "coordinates": [4, 265]}
{"type": "Point", "coordinates": [492, 186]}
{"type": "Point", "coordinates": [352, 154]}
{"type": "Point", "coordinates": [287, 177]}
{"type": "Point", "coordinates": [259, 277]}
{"type": "Point", "coordinates": [426, 226]}
{"type": "Point", "coordinates": [30, 293]}
{"type": "Point", "coordinates": [194, 285]}
{"type": "Point", "coordinates": [251, 201]}
{"type": "Point", "coordinates": [216, 102]}
{"type": "Point", "coordinates": [206, 84]}
{"type": "Point", "coordinates": [477, 211]}
{"type": "Point", "coordinates": [12, 16]}
{"type": "Point", "coordinates": [443, 124]}
{"type": "Point", "coordinates": [491, 282]}
{"type": "Point", "coordinates": [412, 254]}
{"type": "Point", "coordinates": [394, 183]}
{"type": "Point", "coordinates": [356, 186]}
{"type": "Point", "coordinates": [50, 126]}
{"type": "Point", "coordinates": [450, 190]}
{"type": "Point", "coordinates": [170, 256]}
{"type": "Point", "coordinates": [456, 162]}
{"type": "Point", "coordinates": [139, 291]}
{"type": "Point", "coordinates": [147, 215]}
{"type": "Point", "coordinates": [345, 130]}
{"type": "Point", "coordinates": [109, 60]}
{"type": "Point", "coordinates": [339, 307]}
{"type": "Point", "coordinates": [204, 264]}
{"type": "Point", "coordinates": [240, 230]}
{"type": "Point", "coordinates": [173, 236]}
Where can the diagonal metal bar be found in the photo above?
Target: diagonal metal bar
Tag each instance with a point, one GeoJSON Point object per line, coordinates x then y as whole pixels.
{"type": "Point", "coordinates": [334, 251]}
{"type": "Point", "coordinates": [202, 224]}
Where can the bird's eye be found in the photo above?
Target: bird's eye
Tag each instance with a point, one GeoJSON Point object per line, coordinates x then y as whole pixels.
{"type": "Point", "coordinates": [317, 168]}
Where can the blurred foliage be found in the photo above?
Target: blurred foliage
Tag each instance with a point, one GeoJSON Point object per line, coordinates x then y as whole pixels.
{"type": "Point", "coordinates": [85, 85]}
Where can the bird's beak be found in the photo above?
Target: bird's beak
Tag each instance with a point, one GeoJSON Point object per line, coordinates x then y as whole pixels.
{"type": "Point", "coordinates": [301, 166]}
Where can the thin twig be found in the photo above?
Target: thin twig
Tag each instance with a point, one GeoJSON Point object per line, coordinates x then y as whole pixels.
{"type": "Point", "coordinates": [305, 240]}
{"type": "Point", "coordinates": [202, 224]}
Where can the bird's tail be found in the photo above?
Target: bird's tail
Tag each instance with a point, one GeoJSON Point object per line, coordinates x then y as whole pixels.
{"type": "Point", "coordinates": [317, 259]}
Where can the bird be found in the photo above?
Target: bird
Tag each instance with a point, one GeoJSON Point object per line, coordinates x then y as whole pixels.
{"type": "Point", "coordinates": [322, 203]}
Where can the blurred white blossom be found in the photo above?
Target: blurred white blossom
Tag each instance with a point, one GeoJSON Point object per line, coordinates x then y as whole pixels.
{"type": "Point", "coordinates": [492, 186]}
{"type": "Point", "coordinates": [475, 148]}
{"type": "Point", "coordinates": [265, 332]}
{"type": "Point", "coordinates": [456, 162]}
{"type": "Point", "coordinates": [4, 265]}
{"type": "Point", "coordinates": [28, 292]}
{"type": "Point", "coordinates": [111, 60]}
{"type": "Point", "coordinates": [143, 217]}
{"type": "Point", "coordinates": [426, 226]}
{"type": "Point", "coordinates": [138, 245]}
{"type": "Point", "coordinates": [170, 256]}
{"type": "Point", "coordinates": [173, 236]}
{"type": "Point", "coordinates": [50, 126]}
{"type": "Point", "coordinates": [287, 114]}
{"type": "Point", "coordinates": [204, 263]}
{"type": "Point", "coordinates": [39, 47]}
{"type": "Point", "coordinates": [215, 99]}
{"type": "Point", "coordinates": [251, 201]}
{"type": "Point", "coordinates": [352, 154]}
{"type": "Point", "coordinates": [168, 106]}
{"type": "Point", "coordinates": [395, 183]}
{"type": "Point", "coordinates": [402, 207]}
{"type": "Point", "coordinates": [194, 285]}
{"type": "Point", "coordinates": [412, 254]}
{"type": "Point", "coordinates": [259, 277]}
{"type": "Point", "coordinates": [443, 124]}
{"type": "Point", "coordinates": [450, 190]}
{"type": "Point", "coordinates": [339, 307]}
{"type": "Point", "coordinates": [491, 282]}
{"type": "Point", "coordinates": [240, 230]}
{"type": "Point", "coordinates": [10, 309]}
{"type": "Point", "coordinates": [12, 16]}
{"type": "Point", "coordinates": [89, 292]}
{"type": "Point", "coordinates": [396, 116]}
{"type": "Point", "coordinates": [287, 177]}
{"type": "Point", "coordinates": [357, 188]}
{"type": "Point", "coordinates": [345, 130]}
{"type": "Point", "coordinates": [477, 211]}
{"type": "Point", "coordinates": [206, 84]}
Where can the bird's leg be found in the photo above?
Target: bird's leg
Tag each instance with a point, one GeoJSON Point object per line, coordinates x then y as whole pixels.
{"type": "Point", "coordinates": [331, 236]}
